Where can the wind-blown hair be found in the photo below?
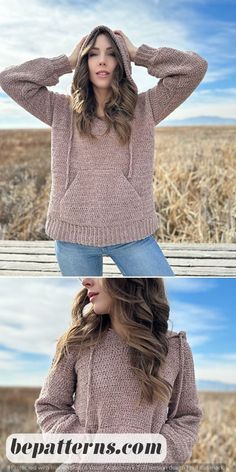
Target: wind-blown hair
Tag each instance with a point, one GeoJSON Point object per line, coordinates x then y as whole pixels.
{"type": "Point", "coordinates": [119, 107]}
{"type": "Point", "coordinates": [140, 306]}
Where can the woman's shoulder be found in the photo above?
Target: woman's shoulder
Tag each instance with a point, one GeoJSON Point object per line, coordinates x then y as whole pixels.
{"type": "Point", "coordinates": [143, 109]}
{"type": "Point", "coordinates": [174, 334]}
{"type": "Point", "coordinates": [177, 342]}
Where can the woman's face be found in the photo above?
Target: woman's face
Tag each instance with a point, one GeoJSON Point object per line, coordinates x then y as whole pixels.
{"type": "Point", "coordinates": [102, 58]}
{"type": "Point", "coordinates": [101, 300]}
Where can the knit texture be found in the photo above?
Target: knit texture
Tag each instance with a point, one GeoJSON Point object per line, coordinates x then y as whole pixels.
{"type": "Point", "coordinates": [102, 192]}
{"type": "Point", "coordinates": [96, 392]}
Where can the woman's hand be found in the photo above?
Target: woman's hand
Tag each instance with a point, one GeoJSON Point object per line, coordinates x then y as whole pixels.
{"type": "Point", "coordinates": [73, 57]}
{"type": "Point", "coordinates": [130, 46]}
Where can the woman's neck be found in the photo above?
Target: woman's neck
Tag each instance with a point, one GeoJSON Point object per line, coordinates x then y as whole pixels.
{"type": "Point", "coordinates": [101, 98]}
{"type": "Point", "coordinates": [101, 117]}
{"type": "Point", "coordinates": [118, 328]}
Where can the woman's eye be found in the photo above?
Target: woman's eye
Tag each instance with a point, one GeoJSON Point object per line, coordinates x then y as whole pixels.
{"type": "Point", "coordinates": [93, 54]}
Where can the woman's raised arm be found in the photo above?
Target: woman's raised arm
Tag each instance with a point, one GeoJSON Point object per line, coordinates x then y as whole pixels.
{"type": "Point", "coordinates": [179, 72]}
{"type": "Point", "coordinates": [27, 84]}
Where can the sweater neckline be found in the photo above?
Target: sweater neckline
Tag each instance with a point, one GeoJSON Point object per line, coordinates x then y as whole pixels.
{"type": "Point", "coordinates": [99, 119]}
{"type": "Point", "coordinates": [116, 335]}
{"type": "Point", "coordinates": [116, 340]}
{"type": "Point", "coordinates": [112, 331]}
{"type": "Point", "coordinates": [99, 124]}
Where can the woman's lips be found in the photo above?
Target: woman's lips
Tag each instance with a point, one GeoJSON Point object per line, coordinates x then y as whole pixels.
{"type": "Point", "coordinates": [103, 75]}
{"type": "Point", "coordinates": [93, 296]}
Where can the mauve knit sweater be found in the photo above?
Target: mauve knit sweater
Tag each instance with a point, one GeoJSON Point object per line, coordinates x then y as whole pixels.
{"type": "Point", "coordinates": [96, 392]}
{"type": "Point", "coordinates": [102, 191]}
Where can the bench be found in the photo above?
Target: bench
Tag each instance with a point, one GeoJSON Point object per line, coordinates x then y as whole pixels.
{"type": "Point", "coordinates": [37, 258]}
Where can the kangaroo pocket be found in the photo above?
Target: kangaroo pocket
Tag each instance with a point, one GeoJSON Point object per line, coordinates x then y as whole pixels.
{"type": "Point", "coordinates": [98, 197]}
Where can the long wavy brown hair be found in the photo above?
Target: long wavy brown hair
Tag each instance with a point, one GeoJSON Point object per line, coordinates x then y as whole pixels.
{"type": "Point", "coordinates": [141, 307]}
{"type": "Point", "coordinates": [120, 104]}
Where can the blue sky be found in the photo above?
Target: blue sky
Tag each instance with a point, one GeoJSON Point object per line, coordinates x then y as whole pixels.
{"type": "Point", "coordinates": [43, 28]}
{"type": "Point", "coordinates": [34, 312]}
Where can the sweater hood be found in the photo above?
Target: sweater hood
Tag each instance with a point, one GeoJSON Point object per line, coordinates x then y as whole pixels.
{"type": "Point", "coordinates": [120, 44]}
{"type": "Point", "coordinates": [179, 354]}
{"type": "Point", "coordinates": [128, 71]}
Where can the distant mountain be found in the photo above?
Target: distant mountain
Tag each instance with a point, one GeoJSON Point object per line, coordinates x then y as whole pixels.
{"type": "Point", "coordinates": [200, 120]}
{"type": "Point", "coordinates": [27, 123]}
{"type": "Point", "coordinates": [215, 386]}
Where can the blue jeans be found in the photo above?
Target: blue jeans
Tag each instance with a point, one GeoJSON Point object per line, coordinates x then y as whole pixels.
{"type": "Point", "coordinates": [143, 257]}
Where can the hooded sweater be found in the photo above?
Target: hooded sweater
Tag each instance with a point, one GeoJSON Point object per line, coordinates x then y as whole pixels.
{"type": "Point", "coordinates": [97, 392]}
{"type": "Point", "coordinates": [102, 191]}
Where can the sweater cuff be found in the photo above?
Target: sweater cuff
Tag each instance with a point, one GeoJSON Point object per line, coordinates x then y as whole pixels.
{"type": "Point", "coordinates": [61, 64]}
{"type": "Point", "coordinates": [144, 55]}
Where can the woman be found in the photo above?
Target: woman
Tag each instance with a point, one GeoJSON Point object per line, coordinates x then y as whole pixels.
{"type": "Point", "coordinates": [118, 369]}
{"type": "Point", "coordinates": [101, 200]}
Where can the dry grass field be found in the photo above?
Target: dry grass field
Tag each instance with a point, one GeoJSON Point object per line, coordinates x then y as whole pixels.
{"type": "Point", "coordinates": [17, 407]}
{"type": "Point", "coordinates": [194, 183]}
{"type": "Point", "coordinates": [217, 435]}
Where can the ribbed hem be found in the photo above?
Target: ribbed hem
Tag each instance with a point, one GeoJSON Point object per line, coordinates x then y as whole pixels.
{"type": "Point", "coordinates": [61, 64]}
{"type": "Point", "coordinates": [144, 55]}
{"type": "Point", "coordinates": [100, 236]}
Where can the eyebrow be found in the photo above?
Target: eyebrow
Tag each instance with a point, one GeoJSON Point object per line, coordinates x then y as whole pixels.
{"type": "Point", "coordinates": [110, 47]}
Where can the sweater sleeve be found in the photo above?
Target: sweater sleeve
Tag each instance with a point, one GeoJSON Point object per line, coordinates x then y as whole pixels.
{"type": "Point", "coordinates": [27, 84]}
{"type": "Point", "coordinates": [179, 72]}
{"type": "Point", "coordinates": [184, 415]}
{"type": "Point", "coordinates": [54, 407]}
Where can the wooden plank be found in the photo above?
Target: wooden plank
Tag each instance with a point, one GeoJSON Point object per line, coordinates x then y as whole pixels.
{"type": "Point", "coordinates": [204, 271]}
{"type": "Point", "coordinates": [168, 251]}
{"type": "Point", "coordinates": [112, 269]}
{"type": "Point", "coordinates": [189, 262]}
{"type": "Point", "coordinates": [31, 258]}
{"type": "Point", "coordinates": [178, 271]}
{"type": "Point", "coordinates": [186, 262]}
{"type": "Point", "coordinates": [199, 246]}
{"type": "Point", "coordinates": [184, 269]}
{"type": "Point", "coordinates": [40, 267]}
{"type": "Point", "coordinates": [33, 266]}
{"type": "Point", "coordinates": [41, 255]}
{"type": "Point", "coordinates": [163, 245]}
{"type": "Point", "coordinates": [20, 273]}
{"type": "Point", "coordinates": [28, 257]}
{"type": "Point", "coordinates": [27, 250]}
{"type": "Point", "coordinates": [4, 265]}
{"type": "Point", "coordinates": [200, 254]}
{"type": "Point", "coordinates": [19, 243]}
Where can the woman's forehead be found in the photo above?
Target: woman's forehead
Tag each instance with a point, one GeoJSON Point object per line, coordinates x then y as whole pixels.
{"type": "Point", "coordinates": [103, 39]}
